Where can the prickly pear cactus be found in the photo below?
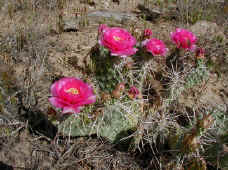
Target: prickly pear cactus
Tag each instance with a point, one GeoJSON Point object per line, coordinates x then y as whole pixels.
{"type": "Point", "coordinates": [198, 75]}
{"type": "Point", "coordinates": [117, 116]}
{"type": "Point", "coordinates": [217, 153]}
{"type": "Point", "coordinates": [113, 122]}
{"type": "Point", "coordinates": [198, 164]}
{"type": "Point", "coordinates": [102, 65]}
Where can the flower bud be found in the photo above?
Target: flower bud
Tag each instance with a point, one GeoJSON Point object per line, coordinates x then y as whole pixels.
{"type": "Point", "coordinates": [116, 94]}
{"type": "Point", "coordinates": [133, 92]}
{"type": "Point", "coordinates": [206, 122]}
{"type": "Point", "coordinates": [147, 34]}
{"type": "Point", "coordinates": [120, 87]}
{"type": "Point", "coordinates": [200, 52]}
{"type": "Point", "coordinates": [105, 96]}
{"type": "Point", "coordinates": [190, 143]}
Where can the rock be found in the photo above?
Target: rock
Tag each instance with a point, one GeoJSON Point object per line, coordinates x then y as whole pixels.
{"type": "Point", "coordinates": [104, 4]}
{"type": "Point", "coordinates": [148, 13]}
{"type": "Point", "coordinates": [118, 16]}
{"type": "Point", "coordinates": [70, 25]}
{"type": "Point", "coordinates": [206, 28]}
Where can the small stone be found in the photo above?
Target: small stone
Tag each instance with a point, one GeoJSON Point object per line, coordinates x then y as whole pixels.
{"type": "Point", "coordinates": [114, 15]}
{"type": "Point", "coordinates": [70, 25]}
{"type": "Point", "coordinates": [206, 28]}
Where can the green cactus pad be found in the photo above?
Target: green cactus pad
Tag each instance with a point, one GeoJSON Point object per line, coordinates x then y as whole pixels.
{"type": "Point", "coordinates": [113, 124]}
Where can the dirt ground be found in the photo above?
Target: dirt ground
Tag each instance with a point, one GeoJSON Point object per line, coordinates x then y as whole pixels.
{"type": "Point", "coordinates": [35, 52]}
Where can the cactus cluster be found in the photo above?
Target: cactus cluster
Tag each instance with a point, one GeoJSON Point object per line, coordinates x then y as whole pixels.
{"type": "Point", "coordinates": [151, 117]}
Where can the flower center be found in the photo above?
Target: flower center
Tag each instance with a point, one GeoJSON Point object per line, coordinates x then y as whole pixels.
{"type": "Point", "coordinates": [117, 38]}
{"type": "Point", "coordinates": [73, 91]}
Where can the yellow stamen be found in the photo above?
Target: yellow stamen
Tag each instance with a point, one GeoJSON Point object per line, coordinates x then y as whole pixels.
{"type": "Point", "coordinates": [117, 38]}
{"type": "Point", "coordinates": [72, 91]}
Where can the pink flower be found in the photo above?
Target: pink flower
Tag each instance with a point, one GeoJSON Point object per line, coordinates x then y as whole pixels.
{"type": "Point", "coordinates": [70, 94]}
{"type": "Point", "coordinates": [184, 39]}
{"type": "Point", "coordinates": [102, 28]}
{"type": "Point", "coordinates": [155, 46]}
{"type": "Point", "coordinates": [118, 40]}
{"type": "Point", "coordinates": [147, 33]}
{"type": "Point", "coordinates": [133, 92]}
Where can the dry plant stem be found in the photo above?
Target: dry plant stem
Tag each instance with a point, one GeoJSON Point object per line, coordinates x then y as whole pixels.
{"type": "Point", "coordinates": [191, 142]}
{"type": "Point", "coordinates": [60, 24]}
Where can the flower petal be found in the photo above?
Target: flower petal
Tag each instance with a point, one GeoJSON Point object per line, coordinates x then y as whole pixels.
{"type": "Point", "coordinates": [57, 102]}
{"type": "Point", "coordinates": [126, 52]}
{"type": "Point", "coordinates": [89, 100]}
{"type": "Point", "coordinates": [193, 48]}
{"type": "Point", "coordinates": [70, 109]}
{"type": "Point", "coordinates": [54, 90]}
{"type": "Point", "coordinates": [145, 42]}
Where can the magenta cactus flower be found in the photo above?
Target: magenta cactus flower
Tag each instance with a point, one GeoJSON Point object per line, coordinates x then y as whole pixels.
{"type": "Point", "coordinates": [147, 33]}
{"type": "Point", "coordinates": [155, 47]}
{"type": "Point", "coordinates": [71, 94]}
{"type": "Point", "coordinates": [133, 92]}
{"type": "Point", "coordinates": [184, 39]}
{"type": "Point", "coordinates": [102, 28]}
{"type": "Point", "coordinates": [118, 40]}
